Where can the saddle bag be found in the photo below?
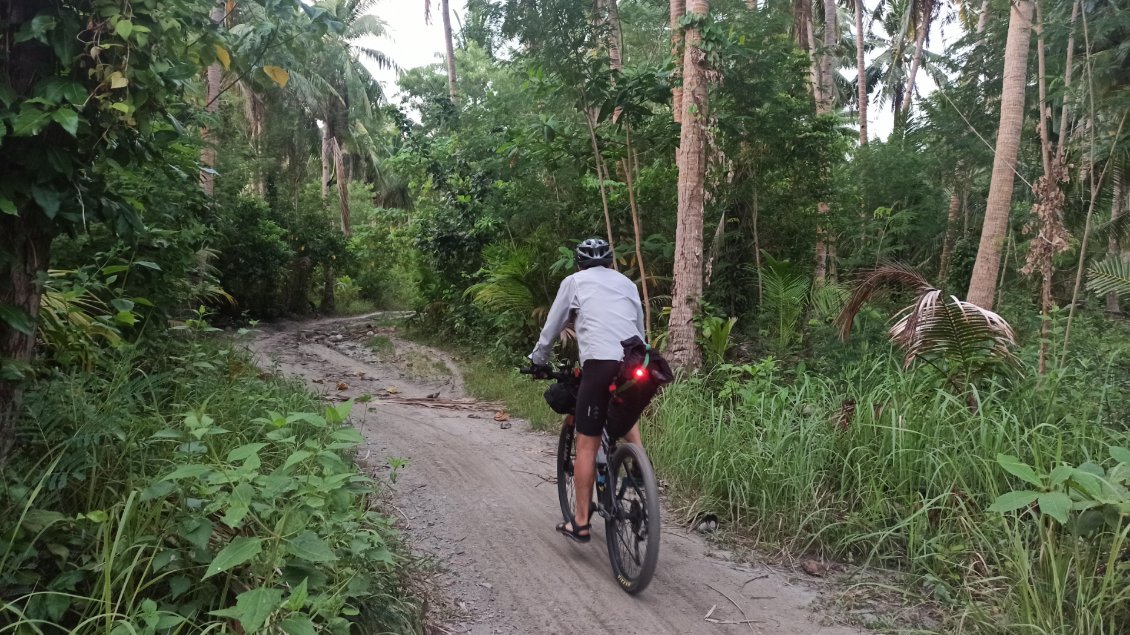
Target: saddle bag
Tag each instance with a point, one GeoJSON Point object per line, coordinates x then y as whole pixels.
{"type": "Point", "coordinates": [643, 373]}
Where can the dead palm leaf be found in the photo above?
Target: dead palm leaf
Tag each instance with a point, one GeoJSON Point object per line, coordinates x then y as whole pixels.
{"type": "Point", "coordinates": [961, 340]}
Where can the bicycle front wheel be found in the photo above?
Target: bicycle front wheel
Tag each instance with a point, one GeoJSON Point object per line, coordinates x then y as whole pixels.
{"type": "Point", "coordinates": [632, 528]}
{"type": "Point", "coordinates": [566, 453]}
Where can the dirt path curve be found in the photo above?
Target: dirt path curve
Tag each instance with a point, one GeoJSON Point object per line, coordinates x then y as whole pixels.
{"type": "Point", "coordinates": [478, 499]}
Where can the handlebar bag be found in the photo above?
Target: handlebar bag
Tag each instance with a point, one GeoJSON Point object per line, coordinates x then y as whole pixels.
{"type": "Point", "coordinates": [562, 397]}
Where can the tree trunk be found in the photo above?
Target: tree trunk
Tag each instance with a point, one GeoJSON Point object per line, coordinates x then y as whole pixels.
{"type": "Point", "coordinates": [1113, 247]}
{"type": "Point", "coordinates": [982, 285]}
{"type": "Point", "coordinates": [608, 14]}
{"type": "Point", "coordinates": [951, 235]}
{"type": "Point", "coordinates": [298, 285]}
{"type": "Point", "coordinates": [631, 164]}
{"type": "Point", "coordinates": [825, 95]}
{"type": "Point", "coordinates": [687, 294]}
{"type": "Point", "coordinates": [329, 305]}
{"type": "Point", "coordinates": [342, 188]}
{"type": "Point", "coordinates": [450, 44]}
{"type": "Point", "coordinates": [677, 9]}
{"type": "Point", "coordinates": [212, 106]}
{"type": "Point", "coordinates": [827, 58]}
{"type": "Point", "coordinates": [1060, 148]}
{"type": "Point", "coordinates": [983, 17]}
{"type": "Point", "coordinates": [820, 271]}
{"type": "Point", "coordinates": [253, 111]}
{"type": "Point", "coordinates": [25, 238]}
{"type": "Point", "coordinates": [25, 242]}
{"type": "Point", "coordinates": [601, 177]}
{"type": "Point", "coordinates": [327, 157]}
{"type": "Point", "coordinates": [925, 15]}
{"type": "Point", "coordinates": [755, 210]}
{"type": "Point", "coordinates": [861, 70]}
{"type": "Point", "coordinates": [806, 41]}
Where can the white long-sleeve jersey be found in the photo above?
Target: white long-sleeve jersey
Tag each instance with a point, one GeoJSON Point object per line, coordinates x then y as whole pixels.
{"type": "Point", "coordinates": [607, 310]}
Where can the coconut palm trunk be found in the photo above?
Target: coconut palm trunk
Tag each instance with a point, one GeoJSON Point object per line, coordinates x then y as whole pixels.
{"type": "Point", "coordinates": [450, 44]}
{"type": "Point", "coordinates": [861, 71]}
{"type": "Point", "coordinates": [824, 92]}
{"type": "Point", "coordinates": [951, 234]}
{"type": "Point", "coordinates": [687, 294]}
{"type": "Point", "coordinates": [213, 77]}
{"type": "Point", "coordinates": [925, 10]}
{"type": "Point", "coordinates": [983, 284]}
{"type": "Point", "coordinates": [678, 8]}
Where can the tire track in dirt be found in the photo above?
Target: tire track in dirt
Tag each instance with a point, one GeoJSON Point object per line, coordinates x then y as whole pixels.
{"type": "Point", "coordinates": [480, 501]}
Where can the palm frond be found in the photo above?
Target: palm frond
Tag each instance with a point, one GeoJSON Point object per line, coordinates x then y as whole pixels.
{"type": "Point", "coordinates": [1110, 276]}
{"type": "Point", "coordinates": [830, 299]}
{"type": "Point", "coordinates": [509, 284]}
{"type": "Point", "coordinates": [952, 334]}
{"type": "Point", "coordinates": [382, 61]}
{"type": "Point", "coordinates": [366, 25]}
{"type": "Point", "coordinates": [872, 282]}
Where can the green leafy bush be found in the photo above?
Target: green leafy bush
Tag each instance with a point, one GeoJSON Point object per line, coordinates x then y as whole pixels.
{"type": "Point", "coordinates": [127, 514]}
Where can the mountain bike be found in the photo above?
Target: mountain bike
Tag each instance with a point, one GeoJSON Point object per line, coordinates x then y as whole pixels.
{"type": "Point", "coordinates": [627, 497]}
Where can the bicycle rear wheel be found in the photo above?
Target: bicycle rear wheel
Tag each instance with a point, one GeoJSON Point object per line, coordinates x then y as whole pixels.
{"type": "Point", "coordinates": [566, 453]}
{"type": "Point", "coordinates": [632, 528]}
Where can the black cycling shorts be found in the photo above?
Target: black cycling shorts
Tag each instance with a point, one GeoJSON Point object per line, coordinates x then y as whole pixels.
{"type": "Point", "coordinates": [593, 397]}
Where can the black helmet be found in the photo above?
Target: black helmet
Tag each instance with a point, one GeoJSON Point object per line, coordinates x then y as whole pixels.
{"type": "Point", "coordinates": [593, 252]}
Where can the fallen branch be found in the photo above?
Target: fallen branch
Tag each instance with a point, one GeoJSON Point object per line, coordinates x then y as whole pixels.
{"type": "Point", "coordinates": [447, 404]}
{"type": "Point", "coordinates": [746, 619]}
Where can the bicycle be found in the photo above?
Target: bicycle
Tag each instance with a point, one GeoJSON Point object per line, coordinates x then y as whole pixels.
{"type": "Point", "coordinates": [627, 497]}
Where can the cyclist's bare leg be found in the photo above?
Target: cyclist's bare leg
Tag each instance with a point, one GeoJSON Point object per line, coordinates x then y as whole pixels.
{"type": "Point", "coordinates": [633, 436]}
{"type": "Point", "coordinates": [584, 474]}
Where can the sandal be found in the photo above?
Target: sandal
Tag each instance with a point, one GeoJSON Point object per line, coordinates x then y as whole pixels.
{"type": "Point", "coordinates": [575, 533]}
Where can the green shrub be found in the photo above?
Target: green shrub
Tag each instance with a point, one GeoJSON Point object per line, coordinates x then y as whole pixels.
{"type": "Point", "coordinates": [186, 494]}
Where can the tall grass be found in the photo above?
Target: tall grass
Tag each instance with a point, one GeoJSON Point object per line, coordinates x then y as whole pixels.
{"type": "Point", "coordinates": [882, 467]}
{"type": "Point", "coordinates": [177, 490]}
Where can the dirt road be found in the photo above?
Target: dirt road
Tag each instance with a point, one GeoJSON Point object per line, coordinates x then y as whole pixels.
{"type": "Point", "coordinates": [479, 500]}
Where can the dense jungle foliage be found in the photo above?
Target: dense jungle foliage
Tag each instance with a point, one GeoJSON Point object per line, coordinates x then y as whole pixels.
{"type": "Point", "coordinates": [907, 352]}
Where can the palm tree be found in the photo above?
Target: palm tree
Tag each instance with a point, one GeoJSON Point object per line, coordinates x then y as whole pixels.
{"type": "Point", "coordinates": [861, 71]}
{"type": "Point", "coordinates": [983, 285]}
{"type": "Point", "coordinates": [337, 89]}
{"type": "Point", "coordinates": [691, 159]}
{"type": "Point", "coordinates": [921, 13]}
{"type": "Point", "coordinates": [678, 7]}
{"type": "Point", "coordinates": [448, 42]}
{"type": "Point", "coordinates": [342, 93]}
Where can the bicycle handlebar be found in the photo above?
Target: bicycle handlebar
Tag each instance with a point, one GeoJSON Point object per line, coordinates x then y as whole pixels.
{"type": "Point", "coordinates": [563, 374]}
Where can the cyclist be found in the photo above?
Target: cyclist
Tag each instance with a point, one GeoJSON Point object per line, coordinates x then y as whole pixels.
{"type": "Point", "coordinates": [605, 307]}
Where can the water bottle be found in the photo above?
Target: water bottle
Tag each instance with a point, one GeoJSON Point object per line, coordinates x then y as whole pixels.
{"type": "Point", "coordinates": [601, 459]}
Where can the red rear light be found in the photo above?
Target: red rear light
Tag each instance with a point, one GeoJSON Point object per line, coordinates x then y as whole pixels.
{"type": "Point", "coordinates": [640, 373]}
